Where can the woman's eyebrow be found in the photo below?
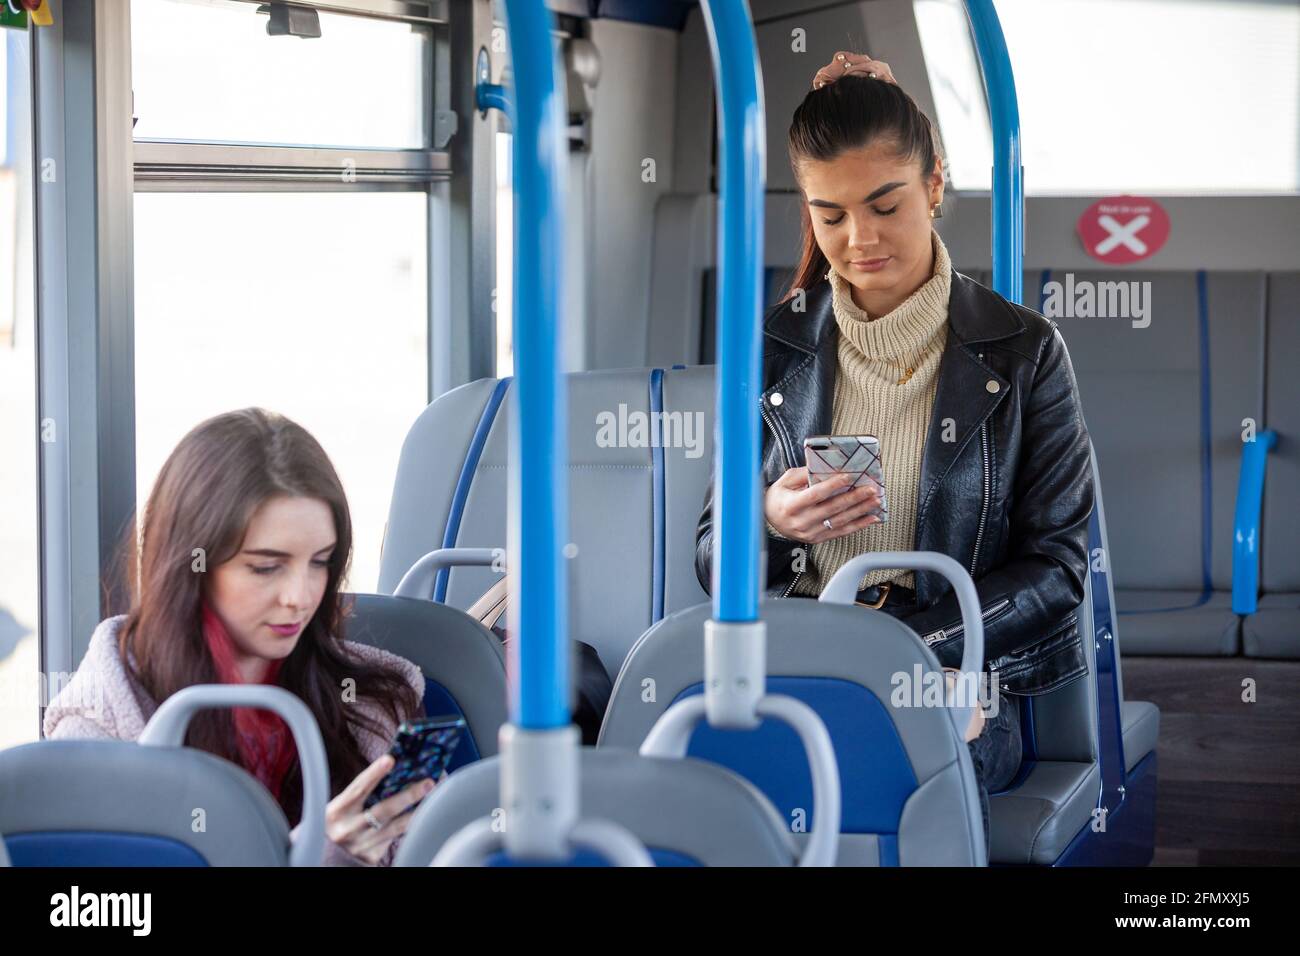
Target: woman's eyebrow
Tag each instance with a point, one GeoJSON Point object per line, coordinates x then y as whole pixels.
{"type": "Point", "coordinates": [272, 553]}
{"type": "Point", "coordinates": [826, 204]}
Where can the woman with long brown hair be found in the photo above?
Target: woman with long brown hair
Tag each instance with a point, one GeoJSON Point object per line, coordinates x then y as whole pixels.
{"type": "Point", "coordinates": [245, 540]}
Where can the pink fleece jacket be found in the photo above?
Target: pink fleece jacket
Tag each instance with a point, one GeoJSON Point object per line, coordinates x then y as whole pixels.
{"type": "Point", "coordinates": [103, 702]}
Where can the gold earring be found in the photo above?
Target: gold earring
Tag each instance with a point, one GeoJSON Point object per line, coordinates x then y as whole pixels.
{"type": "Point", "coordinates": [931, 212]}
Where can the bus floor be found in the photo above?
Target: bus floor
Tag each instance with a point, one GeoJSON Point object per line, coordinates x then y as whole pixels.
{"type": "Point", "coordinates": [1229, 785]}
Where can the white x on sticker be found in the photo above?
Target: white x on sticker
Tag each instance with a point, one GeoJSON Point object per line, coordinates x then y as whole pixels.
{"type": "Point", "coordinates": [1122, 235]}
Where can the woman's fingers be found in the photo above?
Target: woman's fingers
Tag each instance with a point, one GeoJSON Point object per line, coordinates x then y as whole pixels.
{"type": "Point", "coordinates": [404, 799]}
{"type": "Point", "coordinates": [392, 814]}
{"type": "Point", "coordinates": [364, 782]}
{"type": "Point", "coordinates": [846, 61]}
{"type": "Point", "coordinates": [344, 815]}
{"type": "Point", "coordinates": [355, 832]}
{"type": "Point", "coordinates": [816, 512]}
{"type": "Point", "coordinates": [825, 489]}
{"type": "Point", "coordinates": [794, 479]}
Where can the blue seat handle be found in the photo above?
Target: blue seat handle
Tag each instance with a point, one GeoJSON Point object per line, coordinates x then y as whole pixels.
{"type": "Point", "coordinates": [166, 728]}
{"type": "Point", "coordinates": [671, 735]}
{"type": "Point", "coordinates": [843, 589]}
{"type": "Point", "coordinates": [1246, 522]}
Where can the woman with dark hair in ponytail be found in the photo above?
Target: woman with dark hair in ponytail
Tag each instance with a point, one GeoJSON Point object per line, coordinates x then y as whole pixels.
{"type": "Point", "coordinates": [972, 398]}
{"type": "Point", "coordinates": [245, 541]}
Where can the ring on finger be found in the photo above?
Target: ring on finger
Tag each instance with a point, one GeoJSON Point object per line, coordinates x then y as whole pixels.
{"type": "Point", "coordinates": [372, 820]}
{"type": "Point", "coordinates": [827, 522]}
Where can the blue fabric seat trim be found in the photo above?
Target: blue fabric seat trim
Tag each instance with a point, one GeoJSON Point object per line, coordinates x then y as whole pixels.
{"type": "Point", "coordinates": [586, 858]}
{"type": "Point", "coordinates": [876, 777]}
{"type": "Point", "coordinates": [439, 702]}
{"type": "Point", "coordinates": [98, 848]}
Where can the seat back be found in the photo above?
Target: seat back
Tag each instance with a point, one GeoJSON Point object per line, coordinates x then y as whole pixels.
{"type": "Point", "coordinates": [117, 803]}
{"type": "Point", "coordinates": [462, 662]}
{"type": "Point", "coordinates": [908, 788]}
{"type": "Point", "coordinates": [640, 446]}
{"type": "Point", "coordinates": [685, 812]}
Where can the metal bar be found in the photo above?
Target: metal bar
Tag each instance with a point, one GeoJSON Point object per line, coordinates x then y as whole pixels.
{"type": "Point", "coordinates": [67, 304]}
{"type": "Point", "coordinates": [539, 525]}
{"type": "Point", "coordinates": [1008, 200]}
{"type": "Point", "coordinates": [114, 254]}
{"type": "Point", "coordinates": [195, 162]}
{"type": "Point", "coordinates": [464, 317]}
{"type": "Point", "coordinates": [433, 11]}
{"type": "Point", "coordinates": [742, 139]}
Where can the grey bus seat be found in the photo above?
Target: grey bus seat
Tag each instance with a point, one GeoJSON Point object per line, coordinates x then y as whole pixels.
{"type": "Point", "coordinates": [462, 662]}
{"type": "Point", "coordinates": [1274, 629]}
{"type": "Point", "coordinates": [632, 504]}
{"type": "Point", "coordinates": [908, 787]}
{"type": "Point", "coordinates": [1140, 721]}
{"type": "Point", "coordinates": [685, 812]}
{"type": "Point", "coordinates": [117, 803]}
{"type": "Point", "coordinates": [1165, 404]}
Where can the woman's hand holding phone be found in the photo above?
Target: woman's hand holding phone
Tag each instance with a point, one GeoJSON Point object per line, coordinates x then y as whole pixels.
{"type": "Point", "coordinates": [800, 512]}
{"type": "Point", "coordinates": [345, 816]}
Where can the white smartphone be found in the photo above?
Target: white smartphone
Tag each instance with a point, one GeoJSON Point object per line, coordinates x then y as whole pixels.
{"type": "Point", "coordinates": [856, 455]}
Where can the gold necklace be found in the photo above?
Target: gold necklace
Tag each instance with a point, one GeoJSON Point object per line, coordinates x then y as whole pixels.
{"type": "Point", "coordinates": [909, 371]}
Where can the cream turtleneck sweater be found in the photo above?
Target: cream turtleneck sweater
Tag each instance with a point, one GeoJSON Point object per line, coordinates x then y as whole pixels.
{"type": "Point", "coordinates": [873, 354]}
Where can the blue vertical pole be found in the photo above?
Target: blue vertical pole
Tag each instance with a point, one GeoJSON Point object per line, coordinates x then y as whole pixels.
{"type": "Point", "coordinates": [1008, 173]}
{"type": "Point", "coordinates": [538, 499]}
{"type": "Point", "coordinates": [742, 149]}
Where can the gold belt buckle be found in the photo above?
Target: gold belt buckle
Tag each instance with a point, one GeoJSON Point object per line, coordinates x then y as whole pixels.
{"type": "Point", "coordinates": [884, 594]}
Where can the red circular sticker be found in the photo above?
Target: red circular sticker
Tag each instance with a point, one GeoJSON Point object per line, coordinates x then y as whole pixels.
{"type": "Point", "coordinates": [1122, 229]}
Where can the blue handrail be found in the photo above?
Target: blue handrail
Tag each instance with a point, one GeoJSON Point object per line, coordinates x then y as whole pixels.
{"type": "Point", "coordinates": [539, 494]}
{"type": "Point", "coordinates": [1245, 531]}
{"type": "Point", "coordinates": [1008, 173]}
{"type": "Point", "coordinates": [742, 156]}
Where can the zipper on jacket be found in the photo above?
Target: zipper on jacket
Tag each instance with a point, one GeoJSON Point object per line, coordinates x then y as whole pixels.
{"type": "Point", "coordinates": [952, 631]}
{"type": "Point", "coordinates": [785, 453]}
{"type": "Point", "coordinates": [988, 493]}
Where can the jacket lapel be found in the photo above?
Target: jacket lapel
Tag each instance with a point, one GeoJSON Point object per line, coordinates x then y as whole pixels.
{"type": "Point", "coordinates": [968, 389]}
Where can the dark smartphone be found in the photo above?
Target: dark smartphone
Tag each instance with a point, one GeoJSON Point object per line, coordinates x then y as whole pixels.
{"type": "Point", "coordinates": [423, 748]}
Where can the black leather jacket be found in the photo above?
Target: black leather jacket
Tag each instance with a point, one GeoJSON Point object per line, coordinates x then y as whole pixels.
{"type": "Point", "coordinates": [1008, 497]}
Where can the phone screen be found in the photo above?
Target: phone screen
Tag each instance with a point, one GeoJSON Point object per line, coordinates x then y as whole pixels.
{"type": "Point", "coordinates": [422, 749]}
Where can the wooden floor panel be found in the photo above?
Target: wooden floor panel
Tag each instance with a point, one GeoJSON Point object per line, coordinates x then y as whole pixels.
{"type": "Point", "coordinates": [1229, 785]}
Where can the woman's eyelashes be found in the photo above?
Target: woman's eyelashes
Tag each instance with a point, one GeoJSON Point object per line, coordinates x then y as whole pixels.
{"type": "Point", "coordinates": [271, 568]}
{"type": "Point", "coordinates": [879, 212]}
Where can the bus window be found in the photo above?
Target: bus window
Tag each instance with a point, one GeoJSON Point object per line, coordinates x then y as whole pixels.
{"type": "Point", "coordinates": [309, 304]}
{"type": "Point", "coordinates": [282, 215]}
{"type": "Point", "coordinates": [1141, 124]}
{"type": "Point", "coordinates": [209, 72]}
